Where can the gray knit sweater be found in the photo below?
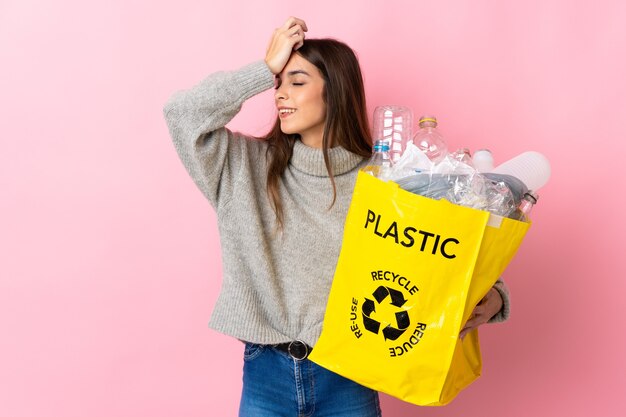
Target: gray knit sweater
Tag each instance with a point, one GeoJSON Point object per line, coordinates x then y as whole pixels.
{"type": "Point", "coordinates": [275, 285]}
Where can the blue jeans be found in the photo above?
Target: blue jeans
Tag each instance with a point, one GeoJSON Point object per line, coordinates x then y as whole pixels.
{"type": "Point", "coordinates": [275, 384]}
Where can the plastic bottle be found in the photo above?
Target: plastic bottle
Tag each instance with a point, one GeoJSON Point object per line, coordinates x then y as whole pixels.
{"type": "Point", "coordinates": [380, 163]}
{"type": "Point", "coordinates": [429, 140]}
{"type": "Point", "coordinates": [483, 160]}
{"type": "Point", "coordinates": [463, 155]}
{"type": "Point", "coordinates": [393, 124]}
{"type": "Point", "coordinates": [525, 206]}
{"type": "Point", "coordinates": [532, 168]}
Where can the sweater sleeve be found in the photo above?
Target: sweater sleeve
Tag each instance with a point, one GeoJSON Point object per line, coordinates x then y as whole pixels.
{"type": "Point", "coordinates": [196, 117]}
{"type": "Point", "coordinates": [505, 311]}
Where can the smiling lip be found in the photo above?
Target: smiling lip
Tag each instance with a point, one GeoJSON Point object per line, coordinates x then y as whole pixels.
{"type": "Point", "coordinates": [284, 115]}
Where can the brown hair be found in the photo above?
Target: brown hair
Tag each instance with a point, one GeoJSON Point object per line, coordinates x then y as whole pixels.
{"type": "Point", "coordinates": [346, 114]}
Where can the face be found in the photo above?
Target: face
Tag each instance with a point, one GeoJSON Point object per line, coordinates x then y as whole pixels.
{"type": "Point", "coordinates": [300, 102]}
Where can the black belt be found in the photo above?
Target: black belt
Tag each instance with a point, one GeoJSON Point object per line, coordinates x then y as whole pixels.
{"type": "Point", "coordinates": [297, 349]}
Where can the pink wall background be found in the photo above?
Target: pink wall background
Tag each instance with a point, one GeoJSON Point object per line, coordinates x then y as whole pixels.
{"type": "Point", "coordinates": [110, 259]}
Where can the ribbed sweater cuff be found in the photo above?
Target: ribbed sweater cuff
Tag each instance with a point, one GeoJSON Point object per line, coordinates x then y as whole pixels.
{"type": "Point", "coordinates": [505, 311]}
{"type": "Point", "coordinates": [254, 78]}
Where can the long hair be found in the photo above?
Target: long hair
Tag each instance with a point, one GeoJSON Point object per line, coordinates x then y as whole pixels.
{"type": "Point", "coordinates": [346, 115]}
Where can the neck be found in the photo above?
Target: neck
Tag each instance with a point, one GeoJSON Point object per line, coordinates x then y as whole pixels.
{"type": "Point", "coordinates": [310, 160]}
{"type": "Point", "coordinates": [314, 139]}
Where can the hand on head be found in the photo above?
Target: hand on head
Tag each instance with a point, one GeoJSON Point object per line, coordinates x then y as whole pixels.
{"type": "Point", "coordinates": [286, 39]}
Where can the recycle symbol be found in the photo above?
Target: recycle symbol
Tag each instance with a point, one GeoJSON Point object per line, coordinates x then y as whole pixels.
{"type": "Point", "coordinates": [402, 316]}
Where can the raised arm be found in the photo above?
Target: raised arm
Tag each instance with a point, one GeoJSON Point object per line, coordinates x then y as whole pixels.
{"type": "Point", "coordinates": [196, 118]}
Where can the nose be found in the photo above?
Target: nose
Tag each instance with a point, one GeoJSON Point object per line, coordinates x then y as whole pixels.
{"type": "Point", "coordinates": [281, 93]}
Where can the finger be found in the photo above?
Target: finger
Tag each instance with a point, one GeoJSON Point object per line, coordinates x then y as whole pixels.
{"type": "Point", "coordinates": [475, 321]}
{"type": "Point", "coordinates": [298, 37]}
{"type": "Point", "coordinates": [288, 23]}
{"type": "Point", "coordinates": [291, 21]}
{"type": "Point", "coordinates": [470, 323]}
{"type": "Point", "coordinates": [465, 331]}
{"type": "Point", "coordinates": [295, 30]}
{"type": "Point", "coordinates": [303, 24]}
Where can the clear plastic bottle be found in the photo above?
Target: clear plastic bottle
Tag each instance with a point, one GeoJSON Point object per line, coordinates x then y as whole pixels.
{"type": "Point", "coordinates": [429, 140]}
{"type": "Point", "coordinates": [380, 163]}
{"type": "Point", "coordinates": [393, 124]}
{"type": "Point", "coordinates": [463, 155]}
{"type": "Point", "coordinates": [525, 206]}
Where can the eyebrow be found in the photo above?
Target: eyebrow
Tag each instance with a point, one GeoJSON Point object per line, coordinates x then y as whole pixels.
{"type": "Point", "coordinates": [298, 72]}
{"type": "Point", "coordinates": [295, 72]}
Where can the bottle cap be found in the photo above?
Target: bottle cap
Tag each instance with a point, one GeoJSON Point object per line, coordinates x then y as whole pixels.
{"type": "Point", "coordinates": [428, 119]}
{"type": "Point", "coordinates": [531, 196]}
{"type": "Point", "coordinates": [381, 145]}
{"type": "Point", "coordinates": [483, 160]}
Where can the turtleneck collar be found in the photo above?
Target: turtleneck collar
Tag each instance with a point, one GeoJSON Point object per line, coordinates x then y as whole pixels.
{"type": "Point", "coordinates": [311, 160]}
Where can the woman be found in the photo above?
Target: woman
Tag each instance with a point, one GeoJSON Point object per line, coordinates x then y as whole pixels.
{"type": "Point", "coordinates": [281, 202]}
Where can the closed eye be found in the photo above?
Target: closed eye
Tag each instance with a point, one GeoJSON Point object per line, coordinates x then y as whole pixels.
{"type": "Point", "coordinates": [277, 86]}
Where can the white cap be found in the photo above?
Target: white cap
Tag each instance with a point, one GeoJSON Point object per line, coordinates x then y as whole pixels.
{"type": "Point", "coordinates": [483, 160]}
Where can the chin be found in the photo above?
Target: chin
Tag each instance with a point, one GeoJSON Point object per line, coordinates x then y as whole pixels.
{"type": "Point", "coordinates": [287, 131]}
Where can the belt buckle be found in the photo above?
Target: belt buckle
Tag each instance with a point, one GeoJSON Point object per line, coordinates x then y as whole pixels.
{"type": "Point", "coordinates": [298, 350]}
